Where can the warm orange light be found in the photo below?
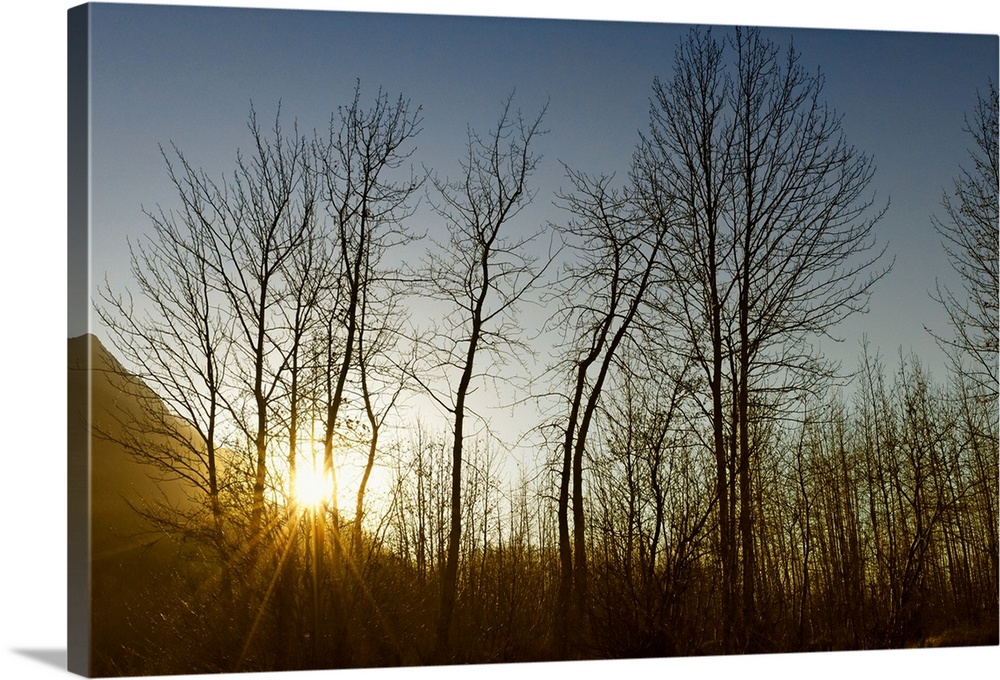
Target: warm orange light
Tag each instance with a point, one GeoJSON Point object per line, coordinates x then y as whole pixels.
{"type": "Point", "coordinates": [311, 487]}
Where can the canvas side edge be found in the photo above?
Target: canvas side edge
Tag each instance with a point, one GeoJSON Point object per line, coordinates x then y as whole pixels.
{"type": "Point", "coordinates": [78, 635]}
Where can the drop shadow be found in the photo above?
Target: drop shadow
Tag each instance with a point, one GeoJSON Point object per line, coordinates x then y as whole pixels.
{"type": "Point", "coordinates": [56, 658]}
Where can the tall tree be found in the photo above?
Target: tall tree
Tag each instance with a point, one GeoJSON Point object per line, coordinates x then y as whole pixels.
{"type": "Point", "coordinates": [971, 238]}
{"type": "Point", "coordinates": [682, 168]}
{"type": "Point", "coordinates": [367, 199]}
{"type": "Point", "coordinates": [367, 204]}
{"type": "Point", "coordinates": [177, 341]}
{"type": "Point", "coordinates": [212, 326]}
{"type": "Point", "coordinates": [772, 246]}
{"type": "Point", "coordinates": [482, 273]}
{"type": "Point", "coordinates": [231, 243]}
{"type": "Point", "coordinates": [604, 290]}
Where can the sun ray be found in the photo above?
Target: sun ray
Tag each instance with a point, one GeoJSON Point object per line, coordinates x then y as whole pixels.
{"type": "Point", "coordinates": [270, 590]}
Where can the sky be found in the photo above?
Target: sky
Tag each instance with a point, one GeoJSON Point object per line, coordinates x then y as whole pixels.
{"type": "Point", "coordinates": [187, 76]}
{"type": "Point", "coordinates": [903, 99]}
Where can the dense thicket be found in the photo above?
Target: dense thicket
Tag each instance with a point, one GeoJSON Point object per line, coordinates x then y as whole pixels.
{"type": "Point", "coordinates": [688, 483]}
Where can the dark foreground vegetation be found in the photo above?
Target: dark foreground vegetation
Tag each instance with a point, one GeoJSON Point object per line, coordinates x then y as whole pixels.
{"type": "Point", "coordinates": [875, 526]}
{"type": "Point", "coordinates": [701, 479]}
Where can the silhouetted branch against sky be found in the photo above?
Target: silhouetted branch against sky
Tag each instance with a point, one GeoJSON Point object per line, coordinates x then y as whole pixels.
{"type": "Point", "coordinates": [971, 237]}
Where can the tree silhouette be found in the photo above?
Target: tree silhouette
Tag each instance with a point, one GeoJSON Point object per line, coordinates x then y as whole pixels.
{"type": "Point", "coordinates": [366, 202]}
{"type": "Point", "coordinates": [602, 292]}
{"type": "Point", "coordinates": [771, 246]}
{"type": "Point", "coordinates": [482, 273]}
{"type": "Point", "coordinates": [178, 345]}
{"type": "Point", "coordinates": [971, 239]}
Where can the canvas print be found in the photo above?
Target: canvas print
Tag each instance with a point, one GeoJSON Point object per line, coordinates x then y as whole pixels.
{"type": "Point", "coordinates": [404, 340]}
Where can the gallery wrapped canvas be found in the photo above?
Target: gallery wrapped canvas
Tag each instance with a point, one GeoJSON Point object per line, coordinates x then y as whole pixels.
{"type": "Point", "coordinates": [416, 340]}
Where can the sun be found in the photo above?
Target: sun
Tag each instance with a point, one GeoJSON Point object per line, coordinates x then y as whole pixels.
{"type": "Point", "coordinates": [311, 487]}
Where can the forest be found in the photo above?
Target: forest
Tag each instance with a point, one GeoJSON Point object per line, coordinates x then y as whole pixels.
{"type": "Point", "coordinates": [617, 435]}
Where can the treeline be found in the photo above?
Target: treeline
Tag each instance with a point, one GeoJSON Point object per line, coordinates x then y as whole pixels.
{"type": "Point", "coordinates": [693, 488]}
{"type": "Point", "coordinates": [874, 523]}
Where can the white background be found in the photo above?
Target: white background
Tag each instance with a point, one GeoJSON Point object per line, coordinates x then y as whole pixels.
{"type": "Point", "coordinates": [33, 327]}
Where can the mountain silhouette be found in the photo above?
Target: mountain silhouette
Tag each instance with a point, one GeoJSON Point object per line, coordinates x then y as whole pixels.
{"type": "Point", "coordinates": [122, 410]}
{"type": "Point", "coordinates": [131, 563]}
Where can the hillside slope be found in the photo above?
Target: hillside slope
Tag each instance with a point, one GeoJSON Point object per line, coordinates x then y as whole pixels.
{"type": "Point", "coordinates": [133, 565]}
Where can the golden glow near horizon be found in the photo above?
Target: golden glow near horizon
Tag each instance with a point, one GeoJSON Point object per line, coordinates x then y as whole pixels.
{"type": "Point", "coordinates": [311, 487]}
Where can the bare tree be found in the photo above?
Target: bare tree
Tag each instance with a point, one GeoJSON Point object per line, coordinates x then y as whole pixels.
{"type": "Point", "coordinates": [367, 203]}
{"type": "Point", "coordinates": [972, 241]}
{"type": "Point", "coordinates": [604, 288]}
{"type": "Point", "coordinates": [482, 273]}
{"type": "Point", "coordinates": [682, 167]}
{"type": "Point", "coordinates": [214, 278]}
{"type": "Point", "coordinates": [771, 247]}
{"type": "Point", "coordinates": [254, 223]}
{"type": "Point", "coordinates": [176, 341]}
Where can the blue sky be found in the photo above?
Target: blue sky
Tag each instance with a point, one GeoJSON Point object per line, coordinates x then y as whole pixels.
{"type": "Point", "coordinates": [187, 75]}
